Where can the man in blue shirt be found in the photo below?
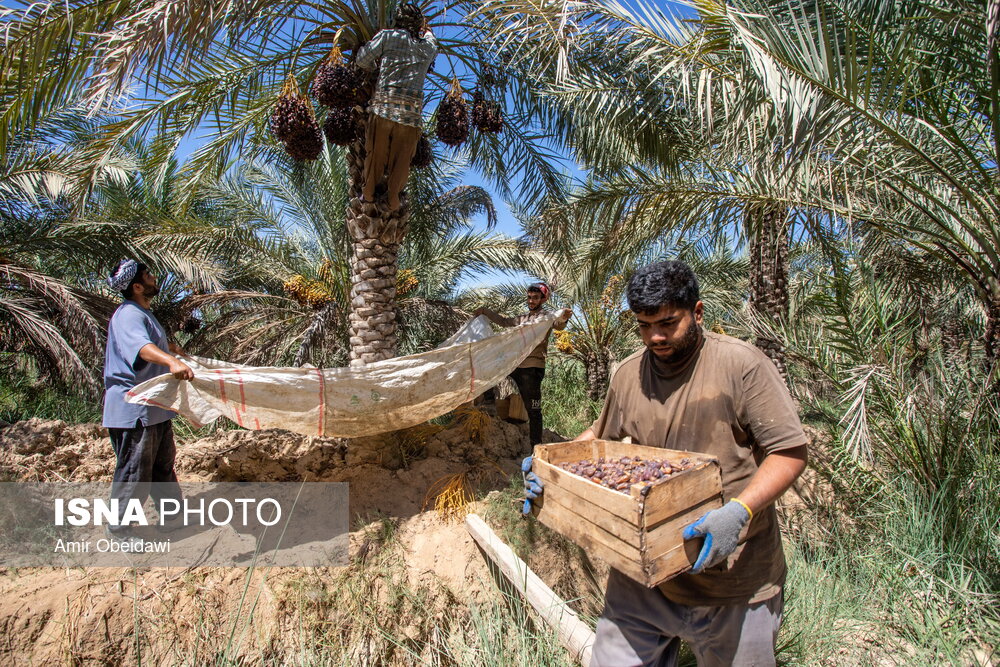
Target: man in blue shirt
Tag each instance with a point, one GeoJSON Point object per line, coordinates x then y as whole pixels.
{"type": "Point", "coordinates": [137, 350]}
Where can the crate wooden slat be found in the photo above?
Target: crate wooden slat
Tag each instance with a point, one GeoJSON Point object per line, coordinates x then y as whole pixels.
{"type": "Point", "coordinates": [637, 533]}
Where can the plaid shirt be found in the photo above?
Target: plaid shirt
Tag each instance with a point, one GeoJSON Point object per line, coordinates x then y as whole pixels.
{"type": "Point", "coordinates": [400, 92]}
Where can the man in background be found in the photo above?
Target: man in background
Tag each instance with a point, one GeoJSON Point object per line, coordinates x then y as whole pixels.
{"type": "Point", "coordinates": [529, 375]}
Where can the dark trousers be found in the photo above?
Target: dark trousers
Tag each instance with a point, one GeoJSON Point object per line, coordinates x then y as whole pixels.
{"type": "Point", "coordinates": [145, 464]}
{"type": "Point", "coordinates": [529, 385]}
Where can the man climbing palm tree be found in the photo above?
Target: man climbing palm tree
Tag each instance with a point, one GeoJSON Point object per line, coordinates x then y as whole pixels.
{"type": "Point", "coordinates": [404, 54]}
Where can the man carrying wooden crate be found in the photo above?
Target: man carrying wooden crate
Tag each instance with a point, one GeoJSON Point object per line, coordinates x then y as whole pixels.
{"type": "Point", "coordinates": [696, 390]}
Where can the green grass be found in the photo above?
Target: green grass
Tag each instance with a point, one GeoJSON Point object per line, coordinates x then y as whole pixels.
{"type": "Point", "coordinates": [502, 511]}
{"type": "Point", "coordinates": [565, 406]}
{"type": "Point", "coordinates": [502, 630]}
{"type": "Point", "coordinates": [23, 396]}
{"type": "Point", "coordinates": [896, 574]}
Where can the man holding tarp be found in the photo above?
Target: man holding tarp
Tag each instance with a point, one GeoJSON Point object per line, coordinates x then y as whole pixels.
{"type": "Point", "coordinates": [529, 375]}
{"type": "Point", "coordinates": [696, 390]}
{"type": "Point", "coordinates": [382, 396]}
{"type": "Point", "coordinates": [141, 435]}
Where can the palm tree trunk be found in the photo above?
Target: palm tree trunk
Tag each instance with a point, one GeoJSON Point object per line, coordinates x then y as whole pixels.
{"type": "Point", "coordinates": [991, 338]}
{"type": "Point", "coordinates": [598, 369]}
{"type": "Point", "coordinates": [376, 234]}
{"type": "Point", "coordinates": [952, 340]}
{"type": "Point", "coordinates": [768, 232]}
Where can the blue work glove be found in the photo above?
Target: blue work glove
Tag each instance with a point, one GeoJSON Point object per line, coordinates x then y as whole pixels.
{"type": "Point", "coordinates": [532, 485]}
{"type": "Point", "coordinates": [721, 530]}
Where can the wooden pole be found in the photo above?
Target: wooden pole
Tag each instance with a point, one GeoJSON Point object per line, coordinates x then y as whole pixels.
{"type": "Point", "coordinates": [573, 633]}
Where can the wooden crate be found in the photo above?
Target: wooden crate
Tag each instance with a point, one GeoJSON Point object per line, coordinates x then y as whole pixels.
{"type": "Point", "coordinates": [637, 533]}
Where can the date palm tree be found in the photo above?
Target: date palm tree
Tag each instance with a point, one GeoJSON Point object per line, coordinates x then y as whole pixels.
{"type": "Point", "coordinates": [54, 303]}
{"type": "Point", "coordinates": [588, 272]}
{"type": "Point", "coordinates": [222, 66]}
{"type": "Point", "coordinates": [655, 169]}
{"type": "Point", "coordinates": [295, 309]}
{"type": "Point", "coordinates": [873, 113]}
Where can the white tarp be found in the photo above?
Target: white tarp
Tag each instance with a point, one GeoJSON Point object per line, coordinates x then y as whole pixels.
{"type": "Point", "coordinates": [349, 402]}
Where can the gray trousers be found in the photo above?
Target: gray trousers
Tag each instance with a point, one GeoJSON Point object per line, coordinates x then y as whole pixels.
{"type": "Point", "coordinates": [640, 626]}
{"type": "Point", "coordinates": [144, 466]}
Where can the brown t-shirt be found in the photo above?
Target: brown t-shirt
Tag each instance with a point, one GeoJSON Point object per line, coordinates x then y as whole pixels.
{"type": "Point", "coordinates": [727, 400]}
{"type": "Point", "coordinates": [536, 358]}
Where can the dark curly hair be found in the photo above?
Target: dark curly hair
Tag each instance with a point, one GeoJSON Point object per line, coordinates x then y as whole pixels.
{"type": "Point", "coordinates": [670, 283]}
{"type": "Point", "coordinates": [410, 18]}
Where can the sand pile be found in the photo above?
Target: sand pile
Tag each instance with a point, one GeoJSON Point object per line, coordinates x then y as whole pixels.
{"type": "Point", "coordinates": [409, 567]}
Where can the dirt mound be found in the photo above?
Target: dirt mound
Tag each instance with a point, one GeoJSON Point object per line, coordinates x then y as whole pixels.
{"type": "Point", "coordinates": [409, 579]}
{"type": "Point", "coordinates": [38, 450]}
{"type": "Point", "coordinates": [407, 462]}
{"type": "Point", "coordinates": [170, 615]}
{"type": "Point", "coordinates": [410, 567]}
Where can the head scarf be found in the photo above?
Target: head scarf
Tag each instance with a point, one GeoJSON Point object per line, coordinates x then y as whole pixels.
{"type": "Point", "coordinates": [541, 287]}
{"type": "Point", "coordinates": [123, 275]}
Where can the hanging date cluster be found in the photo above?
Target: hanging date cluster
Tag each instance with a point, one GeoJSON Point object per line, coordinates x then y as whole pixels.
{"type": "Point", "coordinates": [620, 474]}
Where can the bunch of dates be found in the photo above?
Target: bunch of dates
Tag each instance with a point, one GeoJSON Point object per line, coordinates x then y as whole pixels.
{"type": "Point", "coordinates": [621, 473]}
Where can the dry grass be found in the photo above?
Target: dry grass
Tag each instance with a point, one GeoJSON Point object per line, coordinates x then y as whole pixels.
{"type": "Point", "coordinates": [450, 496]}
{"type": "Point", "coordinates": [474, 422]}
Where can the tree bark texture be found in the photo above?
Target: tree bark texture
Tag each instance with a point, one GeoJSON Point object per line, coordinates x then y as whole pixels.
{"type": "Point", "coordinates": [598, 369]}
{"type": "Point", "coordinates": [768, 232]}
{"type": "Point", "coordinates": [952, 339]}
{"type": "Point", "coordinates": [376, 234]}
{"type": "Point", "coordinates": [991, 337]}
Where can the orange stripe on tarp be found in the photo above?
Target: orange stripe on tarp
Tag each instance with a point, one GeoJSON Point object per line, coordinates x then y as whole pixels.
{"type": "Point", "coordinates": [222, 387]}
{"type": "Point", "coordinates": [243, 399]}
{"type": "Point", "coordinates": [472, 373]}
{"type": "Point", "coordinates": [322, 402]}
{"type": "Point", "coordinates": [222, 395]}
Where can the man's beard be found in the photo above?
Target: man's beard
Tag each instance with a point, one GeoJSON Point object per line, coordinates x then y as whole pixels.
{"type": "Point", "coordinates": [149, 291]}
{"type": "Point", "coordinates": [682, 349]}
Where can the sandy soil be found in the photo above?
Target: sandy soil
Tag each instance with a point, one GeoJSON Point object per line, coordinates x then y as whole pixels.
{"type": "Point", "coordinates": [90, 616]}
